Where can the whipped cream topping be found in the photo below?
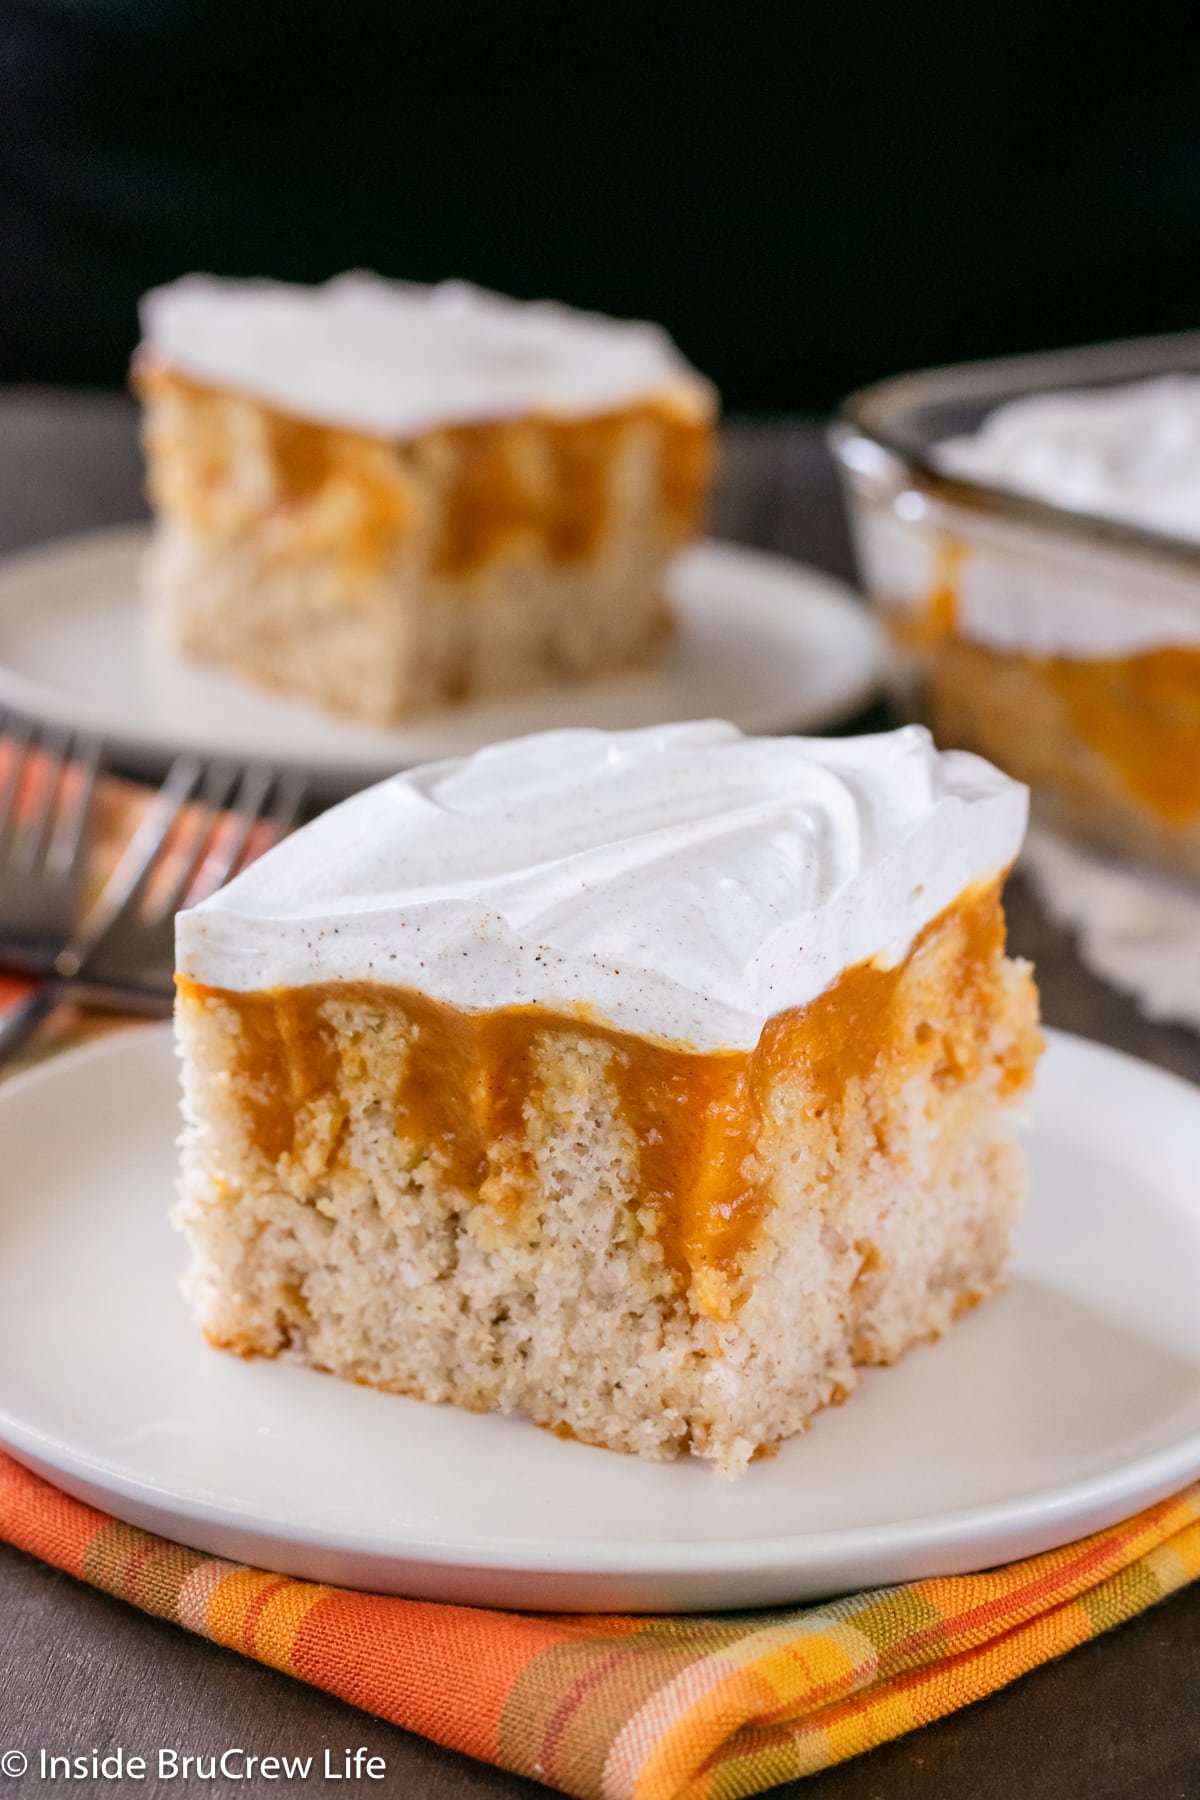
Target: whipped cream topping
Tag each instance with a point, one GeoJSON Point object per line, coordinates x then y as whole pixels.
{"type": "Point", "coordinates": [1082, 610]}
{"type": "Point", "coordinates": [1130, 453]}
{"type": "Point", "coordinates": [684, 882]}
{"type": "Point", "coordinates": [392, 358]}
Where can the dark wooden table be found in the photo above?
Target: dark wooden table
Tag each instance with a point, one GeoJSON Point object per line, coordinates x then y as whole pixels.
{"type": "Point", "coordinates": [1119, 1717]}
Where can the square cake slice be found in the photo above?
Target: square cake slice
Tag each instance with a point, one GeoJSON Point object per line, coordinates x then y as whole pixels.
{"type": "Point", "coordinates": [647, 1083]}
{"type": "Point", "coordinates": [380, 497]}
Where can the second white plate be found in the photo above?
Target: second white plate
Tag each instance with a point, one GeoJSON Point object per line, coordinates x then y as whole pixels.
{"type": "Point", "coordinates": [1060, 1407]}
{"type": "Point", "coordinates": [768, 643]}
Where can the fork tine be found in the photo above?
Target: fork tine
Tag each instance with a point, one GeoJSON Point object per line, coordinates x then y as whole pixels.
{"type": "Point", "coordinates": [32, 835]}
{"type": "Point", "coordinates": [18, 733]}
{"type": "Point", "coordinates": [72, 822]}
{"type": "Point", "coordinates": [246, 809]}
{"type": "Point", "coordinates": [45, 798]}
{"type": "Point", "coordinates": [289, 799]}
{"type": "Point", "coordinates": [218, 784]}
{"type": "Point", "coordinates": [123, 891]}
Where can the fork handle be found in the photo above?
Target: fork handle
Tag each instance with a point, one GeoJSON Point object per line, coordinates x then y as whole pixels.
{"type": "Point", "coordinates": [19, 1022]}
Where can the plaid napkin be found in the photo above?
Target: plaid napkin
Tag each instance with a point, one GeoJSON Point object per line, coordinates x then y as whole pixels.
{"type": "Point", "coordinates": [637, 1709]}
{"type": "Point", "coordinates": [707, 1708]}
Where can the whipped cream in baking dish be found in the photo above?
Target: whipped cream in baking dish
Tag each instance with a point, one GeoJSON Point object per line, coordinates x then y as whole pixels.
{"type": "Point", "coordinates": [393, 358]}
{"type": "Point", "coordinates": [1130, 453]}
{"type": "Point", "coordinates": [684, 882]}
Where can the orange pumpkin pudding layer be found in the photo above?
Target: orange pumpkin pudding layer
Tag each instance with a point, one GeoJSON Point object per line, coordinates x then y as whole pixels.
{"type": "Point", "coordinates": [381, 498]}
{"type": "Point", "coordinates": [639, 1241]}
{"type": "Point", "coordinates": [1113, 744]}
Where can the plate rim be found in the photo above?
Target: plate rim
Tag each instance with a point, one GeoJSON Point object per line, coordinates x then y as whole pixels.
{"type": "Point", "coordinates": [1036, 1521]}
{"type": "Point", "coordinates": [149, 750]}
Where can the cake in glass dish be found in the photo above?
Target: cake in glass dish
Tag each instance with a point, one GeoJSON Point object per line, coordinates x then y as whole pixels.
{"type": "Point", "coordinates": [381, 497]}
{"type": "Point", "coordinates": [646, 1083]}
{"type": "Point", "coordinates": [1040, 572]}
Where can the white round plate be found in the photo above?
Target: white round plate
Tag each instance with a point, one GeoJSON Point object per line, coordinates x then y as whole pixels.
{"type": "Point", "coordinates": [1060, 1407]}
{"type": "Point", "coordinates": [768, 643]}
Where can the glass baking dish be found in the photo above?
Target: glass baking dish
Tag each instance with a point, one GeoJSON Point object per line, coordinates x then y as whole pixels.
{"type": "Point", "coordinates": [1063, 646]}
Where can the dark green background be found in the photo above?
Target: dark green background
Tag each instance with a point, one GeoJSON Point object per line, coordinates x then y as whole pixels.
{"type": "Point", "coordinates": [807, 195]}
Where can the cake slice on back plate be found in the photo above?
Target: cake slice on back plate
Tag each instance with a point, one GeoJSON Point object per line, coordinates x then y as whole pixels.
{"type": "Point", "coordinates": [380, 497]}
{"type": "Point", "coordinates": [644, 1082]}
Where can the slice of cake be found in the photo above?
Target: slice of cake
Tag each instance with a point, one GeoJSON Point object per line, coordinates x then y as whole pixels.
{"type": "Point", "coordinates": [643, 1082]}
{"type": "Point", "coordinates": [381, 497]}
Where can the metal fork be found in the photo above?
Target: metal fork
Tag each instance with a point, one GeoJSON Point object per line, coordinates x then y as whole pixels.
{"type": "Point", "coordinates": [191, 839]}
{"type": "Point", "coordinates": [45, 805]}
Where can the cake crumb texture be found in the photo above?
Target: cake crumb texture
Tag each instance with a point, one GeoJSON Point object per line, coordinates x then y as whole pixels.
{"type": "Point", "coordinates": [377, 578]}
{"type": "Point", "coordinates": [514, 1245]}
